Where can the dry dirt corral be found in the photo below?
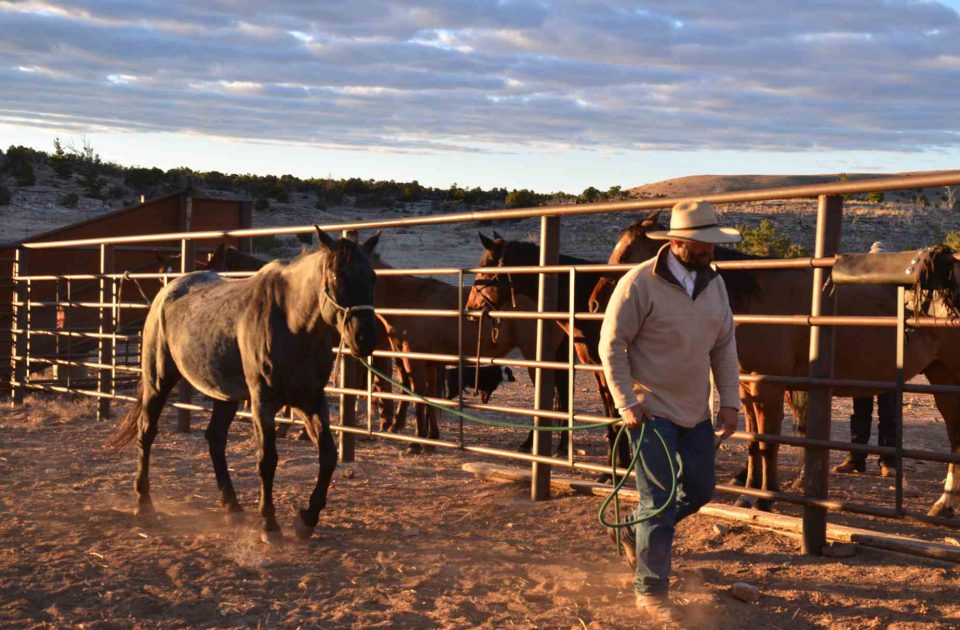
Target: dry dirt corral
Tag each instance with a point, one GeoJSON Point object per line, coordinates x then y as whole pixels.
{"type": "Point", "coordinates": [405, 542]}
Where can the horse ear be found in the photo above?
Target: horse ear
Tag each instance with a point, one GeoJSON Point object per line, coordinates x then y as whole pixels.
{"type": "Point", "coordinates": [489, 244]}
{"type": "Point", "coordinates": [325, 240]}
{"type": "Point", "coordinates": [496, 236]}
{"type": "Point", "coordinates": [370, 244]}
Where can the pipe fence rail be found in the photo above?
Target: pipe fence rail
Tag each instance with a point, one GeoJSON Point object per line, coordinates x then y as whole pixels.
{"type": "Point", "coordinates": [111, 347]}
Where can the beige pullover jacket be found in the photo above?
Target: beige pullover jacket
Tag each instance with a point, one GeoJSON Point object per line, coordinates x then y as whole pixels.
{"type": "Point", "coordinates": [658, 344]}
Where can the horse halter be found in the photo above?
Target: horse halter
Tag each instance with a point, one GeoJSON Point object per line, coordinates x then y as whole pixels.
{"type": "Point", "coordinates": [496, 281]}
{"type": "Point", "coordinates": [346, 310]}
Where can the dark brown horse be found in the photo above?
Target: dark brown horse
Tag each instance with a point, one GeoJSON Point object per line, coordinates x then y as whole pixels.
{"type": "Point", "coordinates": [267, 338]}
{"type": "Point", "coordinates": [439, 335]}
{"type": "Point", "coordinates": [498, 290]}
{"type": "Point", "coordinates": [863, 353]}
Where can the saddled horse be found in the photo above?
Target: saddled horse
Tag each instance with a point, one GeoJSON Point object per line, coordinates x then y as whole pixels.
{"type": "Point", "coordinates": [863, 353]}
{"type": "Point", "coordinates": [498, 290]}
{"type": "Point", "coordinates": [267, 338]}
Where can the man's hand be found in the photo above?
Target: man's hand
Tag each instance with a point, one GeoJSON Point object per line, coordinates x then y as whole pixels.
{"type": "Point", "coordinates": [634, 416]}
{"type": "Point", "coordinates": [726, 423]}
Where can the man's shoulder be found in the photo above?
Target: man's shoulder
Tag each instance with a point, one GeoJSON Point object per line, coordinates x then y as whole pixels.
{"type": "Point", "coordinates": [640, 272]}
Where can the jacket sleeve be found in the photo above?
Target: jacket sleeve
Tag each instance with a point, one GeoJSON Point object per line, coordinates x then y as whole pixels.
{"type": "Point", "coordinates": [621, 325]}
{"type": "Point", "coordinates": [723, 358]}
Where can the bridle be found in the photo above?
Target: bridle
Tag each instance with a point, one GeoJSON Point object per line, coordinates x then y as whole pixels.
{"type": "Point", "coordinates": [480, 284]}
{"type": "Point", "coordinates": [346, 310]}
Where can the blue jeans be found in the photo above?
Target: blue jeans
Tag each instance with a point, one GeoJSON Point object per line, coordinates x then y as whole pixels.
{"type": "Point", "coordinates": [695, 448]}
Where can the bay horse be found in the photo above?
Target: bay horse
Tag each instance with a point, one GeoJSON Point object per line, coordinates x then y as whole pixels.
{"type": "Point", "coordinates": [499, 290]}
{"type": "Point", "coordinates": [267, 338]}
{"type": "Point", "coordinates": [439, 335]}
{"type": "Point", "coordinates": [863, 353]}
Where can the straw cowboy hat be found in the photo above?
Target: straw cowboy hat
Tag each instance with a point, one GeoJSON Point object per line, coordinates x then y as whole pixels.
{"type": "Point", "coordinates": [696, 221]}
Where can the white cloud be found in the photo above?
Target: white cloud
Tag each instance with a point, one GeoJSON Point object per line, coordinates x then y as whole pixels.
{"type": "Point", "coordinates": [447, 74]}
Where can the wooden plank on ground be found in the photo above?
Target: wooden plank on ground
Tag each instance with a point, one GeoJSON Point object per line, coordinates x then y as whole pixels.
{"type": "Point", "coordinates": [780, 522]}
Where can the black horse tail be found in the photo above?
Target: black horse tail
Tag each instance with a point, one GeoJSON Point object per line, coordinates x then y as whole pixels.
{"type": "Point", "coordinates": [130, 423]}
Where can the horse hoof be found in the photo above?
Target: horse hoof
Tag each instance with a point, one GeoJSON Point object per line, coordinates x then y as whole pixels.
{"type": "Point", "coordinates": [943, 511]}
{"type": "Point", "coordinates": [763, 505]}
{"type": "Point", "coordinates": [271, 537]}
{"type": "Point", "coordinates": [603, 478]}
{"type": "Point", "coordinates": [303, 530]}
{"type": "Point", "coordinates": [413, 449]}
{"type": "Point", "coordinates": [146, 514]}
{"type": "Point", "coordinates": [744, 501]}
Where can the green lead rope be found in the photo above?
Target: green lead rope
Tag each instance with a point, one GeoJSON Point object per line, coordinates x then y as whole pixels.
{"type": "Point", "coordinates": [675, 470]}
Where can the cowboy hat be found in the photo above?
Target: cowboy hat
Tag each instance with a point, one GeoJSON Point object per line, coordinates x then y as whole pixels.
{"type": "Point", "coordinates": [696, 221]}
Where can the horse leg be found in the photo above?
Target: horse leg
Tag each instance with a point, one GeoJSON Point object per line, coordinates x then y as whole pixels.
{"type": "Point", "coordinates": [769, 409]}
{"type": "Point", "coordinates": [432, 387]}
{"type": "Point", "coordinates": [385, 407]}
{"type": "Point", "coordinates": [419, 374]}
{"type": "Point", "coordinates": [265, 429]}
{"type": "Point", "coordinates": [405, 371]}
{"type": "Point", "coordinates": [307, 519]}
{"type": "Point", "coordinates": [527, 445]}
{"type": "Point", "coordinates": [561, 381]}
{"type": "Point", "coordinates": [751, 476]}
{"type": "Point", "coordinates": [216, 434]}
{"type": "Point", "coordinates": [949, 407]}
{"type": "Point", "coordinates": [153, 398]}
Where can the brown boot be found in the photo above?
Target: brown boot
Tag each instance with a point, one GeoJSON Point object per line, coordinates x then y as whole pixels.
{"type": "Point", "coordinates": [658, 609]}
{"type": "Point", "coordinates": [850, 467]}
{"type": "Point", "coordinates": [628, 544]}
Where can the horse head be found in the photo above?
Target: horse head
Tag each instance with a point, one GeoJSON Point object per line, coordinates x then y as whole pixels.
{"type": "Point", "coordinates": [633, 246]}
{"type": "Point", "coordinates": [491, 291]}
{"type": "Point", "coordinates": [346, 291]}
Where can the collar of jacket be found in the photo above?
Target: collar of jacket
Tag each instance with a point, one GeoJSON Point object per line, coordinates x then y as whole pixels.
{"type": "Point", "coordinates": [662, 270]}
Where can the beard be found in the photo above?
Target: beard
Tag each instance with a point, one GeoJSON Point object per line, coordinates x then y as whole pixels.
{"type": "Point", "coordinates": [695, 261]}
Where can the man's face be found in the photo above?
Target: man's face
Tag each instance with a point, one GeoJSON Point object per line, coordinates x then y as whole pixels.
{"type": "Point", "coordinates": [694, 256]}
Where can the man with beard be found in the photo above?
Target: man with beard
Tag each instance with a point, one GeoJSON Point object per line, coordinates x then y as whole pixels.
{"type": "Point", "coordinates": [668, 324]}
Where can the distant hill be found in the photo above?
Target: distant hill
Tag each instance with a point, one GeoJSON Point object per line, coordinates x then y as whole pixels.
{"type": "Point", "coordinates": [714, 184]}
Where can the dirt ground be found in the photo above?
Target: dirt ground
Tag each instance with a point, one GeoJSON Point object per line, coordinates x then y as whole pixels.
{"type": "Point", "coordinates": [411, 542]}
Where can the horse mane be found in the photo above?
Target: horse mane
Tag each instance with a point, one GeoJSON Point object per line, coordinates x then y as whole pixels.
{"type": "Point", "coordinates": [938, 280]}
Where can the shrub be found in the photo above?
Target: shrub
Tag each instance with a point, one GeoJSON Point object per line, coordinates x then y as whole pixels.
{"type": "Point", "coordinates": [5, 196]}
{"type": "Point", "coordinates": [116, 192]}
{"type": "Point", "coordinates": [70, 200]}
{"type": "Point", "coordinates": [875, 197]}
{"type": "Point", "coordinates": [306, 238]}
{"type": "Point", "coordinates": [281, 195]}
{"type": "Point", "coordinates": [262, 204]}
{"type": "Point", "coordinates": [522, 198]}
{"type": "Point", "coordinates": [766, 240]}
{"type": "Point", "coordinates": [320, 205]}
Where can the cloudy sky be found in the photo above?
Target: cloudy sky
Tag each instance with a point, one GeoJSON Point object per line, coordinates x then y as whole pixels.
{"type": "Point", "coordinates": [553, 95]}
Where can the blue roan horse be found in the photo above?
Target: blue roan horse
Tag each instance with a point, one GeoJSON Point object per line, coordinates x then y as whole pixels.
{"type": "Point", "coordinates": [267, 338]}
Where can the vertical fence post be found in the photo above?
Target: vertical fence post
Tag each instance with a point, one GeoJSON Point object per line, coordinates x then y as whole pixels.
{"type": "Point", "coordinates": [898, 416]}
{"type": "Point", "coordinates": [19, 324]}
{"type": "Point", "coordinates": [188, 262]}
{"type": "Point", "coordinates": [348, 404]}
{"type": "Point", "coordinates": [460, 309]}
{"type": "Point", "coordinates": [823, 302]}
{"type": "Point", "coordinates": [571, 372]}
{"type": "Point", "coordinates": [105, 327]}
{"type": "Point", "coordinates": [544, 379]}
